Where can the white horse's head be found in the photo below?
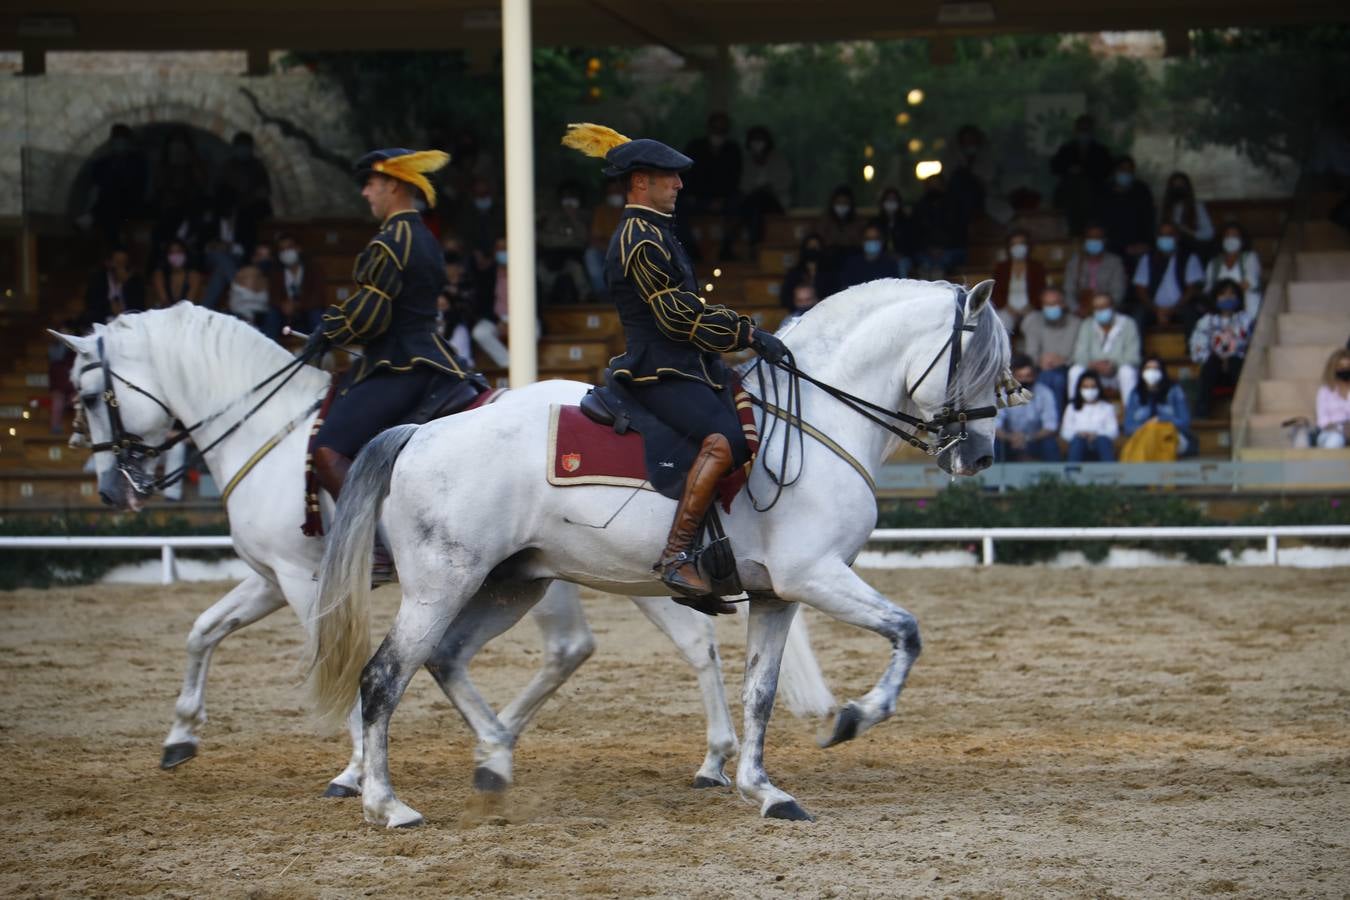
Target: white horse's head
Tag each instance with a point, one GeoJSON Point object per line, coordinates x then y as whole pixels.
{"type": "Point", "coordinates": [107, 363]}
{"type": "Point", "coordinates": [985, 354]}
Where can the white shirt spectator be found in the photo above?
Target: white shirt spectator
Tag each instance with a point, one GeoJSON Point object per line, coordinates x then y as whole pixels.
{"type": "Point", "coordinates": [1245, 270]}
{"type": "Point", "coordinates": [1168, 294]}
{"type": "Point", "coordinates": [1098, 417]}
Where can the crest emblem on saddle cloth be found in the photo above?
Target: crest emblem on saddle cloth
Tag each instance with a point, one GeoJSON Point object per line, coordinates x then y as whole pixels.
{"type": "Point", "coordinates": [571, 462]}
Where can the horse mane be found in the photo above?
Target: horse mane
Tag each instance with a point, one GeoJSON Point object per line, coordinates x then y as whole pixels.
{"type": "Point", "coordinates": [178, 342]}
{"type": "Point", "coordinates": [986, 355]}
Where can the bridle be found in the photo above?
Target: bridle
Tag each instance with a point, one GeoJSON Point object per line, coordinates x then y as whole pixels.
{"type": "Point", "coordinates": [131, 451]}
{"type": "Point", "coordinates": [923, 434]}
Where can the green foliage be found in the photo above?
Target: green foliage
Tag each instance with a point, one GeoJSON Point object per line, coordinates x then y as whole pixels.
{"type": "Point", "coordinates": [44, 568]}
{"type": "Point", "coordinates": [1265, 91]}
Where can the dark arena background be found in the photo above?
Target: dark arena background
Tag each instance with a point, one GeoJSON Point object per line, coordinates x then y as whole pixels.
{"type": "Point", "coordinates": [1134, 677]}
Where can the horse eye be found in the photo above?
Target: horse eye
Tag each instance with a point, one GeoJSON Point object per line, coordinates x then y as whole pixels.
{"type": "Point", "coordinates": [89, 400]}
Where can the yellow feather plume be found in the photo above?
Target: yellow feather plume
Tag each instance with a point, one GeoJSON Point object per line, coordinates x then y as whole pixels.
{"type": "Point", "coordinates": [410, 167]}
{"type": "Point", "coordinates": [592, 140]}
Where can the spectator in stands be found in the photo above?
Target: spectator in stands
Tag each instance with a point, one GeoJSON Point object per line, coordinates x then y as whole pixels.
{"type": "Point", "coordinates": [60, 388]}
{"type": "Point", "coordinates": [1049, 337]}
{"type": "Point", "coordinates": [1189, 215]}
{"type": "Point", "coordinates": [175, 279]}
{"type": "Point", "coordinates": [243, 193]}
{"type": "Point", "coordinates": [1108, 346]}
{"type": "Point", "coordinates": [1094, 270]}
{"type": "Point", "coordinates": [469, 164]}
{"type": "Point", "coordinates": [489, 331]}
{"type": "Point", "coordinates": [481, 221]}
{"type": "Point", "coordinates": [969, 171]}
{"type": "Point", "coordinates": [870, 264]}
{"type": "Point", "coordinates": [564, 233]}
{"type": "Point", "coordinates": [295, 292]}
{"type": "Point", "coordinates": [802, 298]}
{"type": "Point", "coordinates": [1333, 402]}
{"type": "Point", "coordinates": [1219, 343]}
{"type": "Point", "coordinates": [1167, 281]}
{"type": "Point", "coordinates": [1089, 426]}
{"type": "Point", "coordinates": [456, 305]}
{"type": "Point", "coordinates": [603, 222]}
{"type": "Point", "coordinates": [119, 177]}
{"type": "Point", "coordinates": [711, 185]}
{"type": "Point", "coordinates": [1157, 417]}
{"type": "Point", "coordinates": [808, 270]}
{"type": "Point", "coordinates": [1128, 213]}
{"type": "Point", "coordinates": [840, 230]}
{"type": "Point", "coordinates": [1027, 433]}
{"type": "Point", "coordinates": [1238, 262]}
{"type": "Point", "coordinates": [1082, 166]}
{"type": "Point", "coordinates": [250, 298]}
{"type": "Point", "coordinates": [1018, 281]}
{"type": "Point", "coordinates": [765, 190]}
{"type": "Point", "coordinates": [178, 193]}
{"type": "Point", "coordinates": [897, 230]}
{"type": "Point", "coordinates": [941, 227]}
{"type": "Point", "coordinates": [113, 288]}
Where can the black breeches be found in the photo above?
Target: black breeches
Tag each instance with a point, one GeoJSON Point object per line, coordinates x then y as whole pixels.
{"type": "Point", "coordinates": [363, 410]}
{"type": "Point", "coordinates": [694, 410]}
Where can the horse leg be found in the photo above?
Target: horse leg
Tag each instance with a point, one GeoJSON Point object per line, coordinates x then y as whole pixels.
{"type": "Point", "coordinates": [422, 619]}
{"type": "Point", "coordinates": [693, 635]}
{"type": "Point", "coordinates": [770, 619]}
{"type": "Point", "coordinates": [839, 592]}
{"type": "Point", "coordinates": [250, 600]}
{"type": "Point", "coordinates": [490, 612]}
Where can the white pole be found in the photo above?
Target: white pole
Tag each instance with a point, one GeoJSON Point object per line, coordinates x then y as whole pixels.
{"type": "Point", "coordinates": [1273, 549]}
{"type": "Point", "coordinates": [987, 550]}
{"type": "Point", "coordinates": [166, 572]}
{"type": "Point", "coordinates": [518, 119]}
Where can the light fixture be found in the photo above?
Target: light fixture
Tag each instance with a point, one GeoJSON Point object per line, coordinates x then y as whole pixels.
{"type": "Point", "coordinates": [869, 172]}
{"type": "Point", "coordinates": [915, 145]}
{"type": "Point", "coordinates": [927, 169]}
{"type": "Point", "coordinates": [915, 97]}
{"type": "Point", "coordinates": [902, 119]}
{"type": "Point", "coordinates": [869, 151]}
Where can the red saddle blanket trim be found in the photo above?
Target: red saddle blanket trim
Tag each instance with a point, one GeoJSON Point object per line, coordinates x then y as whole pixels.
{"type": "Point", "coordinates": [583, 452]}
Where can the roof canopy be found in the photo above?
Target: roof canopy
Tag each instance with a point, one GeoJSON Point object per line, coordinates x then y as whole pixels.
{"type": "Point", "coordinates": [429, 24]}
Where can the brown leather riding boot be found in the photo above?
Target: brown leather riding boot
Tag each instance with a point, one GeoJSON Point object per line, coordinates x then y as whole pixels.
{"type": "Point", "coordinates": [331, 467]}
{"type": "Point", "coordinates": [676, 565]}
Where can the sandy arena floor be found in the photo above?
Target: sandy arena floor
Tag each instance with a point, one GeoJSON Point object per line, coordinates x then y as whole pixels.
{"type": "Point", "coordinates": [1109, 733]}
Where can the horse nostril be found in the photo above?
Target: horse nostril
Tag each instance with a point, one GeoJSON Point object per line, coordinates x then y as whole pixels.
{"type": "Point", "coordinates": [983, 463]}
{"type": "Point", "coordinates": [107, 498]}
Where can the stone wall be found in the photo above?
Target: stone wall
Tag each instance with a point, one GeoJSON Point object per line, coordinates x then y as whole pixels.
{"type": "Point", "coordinates": [61, 119]}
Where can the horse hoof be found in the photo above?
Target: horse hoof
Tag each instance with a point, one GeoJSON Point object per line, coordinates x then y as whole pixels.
{"type": "Point", "coordinates": [177, 754]}
{"type": "Point", "coordinates": [412, 821]}
{"type": "Point", "coordinates": [788, 810]}
{"type": "Point", "coordinates": [703, 781]}
{"type": "Point", "coordinates": [845, 726]}
{"type": "Point", "coordinates": [489, 782]}
{"type": "Point", "coordinates": [341, 790]}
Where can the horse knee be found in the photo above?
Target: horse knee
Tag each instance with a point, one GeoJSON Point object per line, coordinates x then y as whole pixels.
{"type": "Point", "coordinates": [206, 633]}
{"type": "Point", "coordinates": [905, 635]}
{"type": "Point", "coordinates": [571, 652]}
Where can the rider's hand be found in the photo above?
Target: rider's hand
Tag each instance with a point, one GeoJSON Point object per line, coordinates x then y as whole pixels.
{"type": "Point", "coordinates": [318, 342]}
{"type": "Point", "coordinates": [770, 348]}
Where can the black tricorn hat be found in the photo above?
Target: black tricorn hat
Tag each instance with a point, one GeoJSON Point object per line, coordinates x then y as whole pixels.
{"type": "Point", "coordinates": [623, 154]}
{"type": "Point", "coordinates": [404, 165]}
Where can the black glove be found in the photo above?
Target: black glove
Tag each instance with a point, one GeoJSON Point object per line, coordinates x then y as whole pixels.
{"type": "Point", "coordinates": [770, 348]}
{"type": "Point", "coordinates": [318, 342]}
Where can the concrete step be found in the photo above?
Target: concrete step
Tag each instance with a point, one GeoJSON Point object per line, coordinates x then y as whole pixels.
{"type": "Point", "coordinates": [1311, 328]}
{"type": "Point", "coordinates": [569, 354]}
{"type": "Point", "coordinates": [1322, 296]}
{"type": "Point", "coordinates": [1297, 362]}
{"type": "Point", "coordinates": [1286, 397]}
{"type": "Point", "coordinates": [591, 321]}
{"type": "Point", "coordinates": [1322, 265]}
{"type": "Point", "coordinates": [1322, 236]}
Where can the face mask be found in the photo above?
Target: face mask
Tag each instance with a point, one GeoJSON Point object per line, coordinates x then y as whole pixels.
{"type": "Point", "coordinates": [1343, 374]}
{"type": "Point", "coordinates": [614, 200]}
{"type": "Point", "coordinates": [1151, 376]}
{"type": "Point", "coordinates": [483, 204]}
{"type": "Point", "coordinates": [872, 247]}
{"type": "Point", "coordinates": [1124, 179]}
{"type": "Point", "coordinates": [841, 210]}
{"type": "Point", "coordinates": [1053, 313]}
{"type": "Point", "coordinates": [1167, 243]}
{"type": "Point", "coordinates": [758, 147]}
{"type": "Point", "coordinates": [891, 207]}
{"type": "Point", "coordinates": [570, 203]}
{"type": "Point", "coordinates": [1104, 316]}
{"type": "Point", "coordinates": [1232, 244]}
{"type": "Point", "coordinates": [1019, 251]}
{"type": "Point", "coordinates": [289, 257]}
{"type": "Point", "coordinates": [500, 256]}
{"type": "Point", "coordinates": [177, 260]}
{"type": "Point", "coordinates": [1090, 395]}
{"type": "Point", "coordinates": [1227, 304]}
{"type": "Point", "coordinates": [1094, 246]}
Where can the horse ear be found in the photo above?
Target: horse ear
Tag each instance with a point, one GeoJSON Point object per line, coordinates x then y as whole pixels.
{"type": "Point", "coordinates": [84, 346]}
{"type": "Point", "coordinates": [978, 296]}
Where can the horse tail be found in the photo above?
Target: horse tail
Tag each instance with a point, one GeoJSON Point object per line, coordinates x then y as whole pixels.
{"type": "Point", "coordinates": [799, 678]}
{"type": "Point", "coordinates": [342, 626]}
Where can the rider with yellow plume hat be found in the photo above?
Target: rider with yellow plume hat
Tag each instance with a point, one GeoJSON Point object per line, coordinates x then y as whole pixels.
{"type": "Point", "coordinates": [671, 365]}
{"type": "Point", "coordinates": [391, 311]}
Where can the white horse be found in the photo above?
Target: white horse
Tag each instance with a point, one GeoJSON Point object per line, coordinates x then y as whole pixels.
{"type": "Point", "coordinates": [139, 374]}
{"type": "Point", "coordinates": [889, 343]}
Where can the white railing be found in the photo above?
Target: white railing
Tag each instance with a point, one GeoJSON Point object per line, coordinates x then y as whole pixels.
{"type": "Point", "coordinates": [1271, 534]}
